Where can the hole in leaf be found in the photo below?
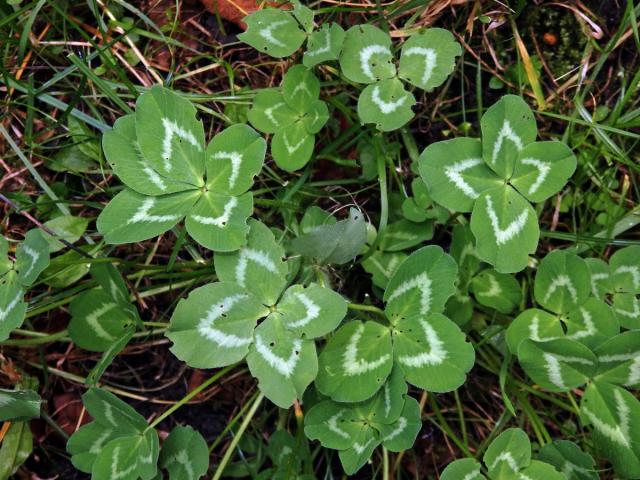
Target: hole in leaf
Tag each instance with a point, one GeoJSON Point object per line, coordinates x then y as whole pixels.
{"type": "Point", "coordinates": [272, 344]}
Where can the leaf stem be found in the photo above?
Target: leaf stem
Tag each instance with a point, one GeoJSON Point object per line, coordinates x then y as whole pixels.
{"type": "Point", "coordinates": [366, 308]}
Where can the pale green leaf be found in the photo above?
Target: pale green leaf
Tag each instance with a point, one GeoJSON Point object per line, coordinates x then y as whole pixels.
{"type": "Point", "coordinates": [538, 470]}
{"type": "Point", "coordinates": [625, 269]}
{"type": "Point", "coordinates": [463, 249]}
{"type": "Point", "coordinates": [111, 413]}
{"type": "Point", "coordinates": [533, 324]}
{"type": "Point", "coordinates": [185, 454]}
{"type": "Point", "coordinates": [366, 440]}
{"type": "Point", "coordinates": [466, 469]}
{"type": "Point", "coordinates": [292, 147]}
{"type": "Point", "coordinates": [499, 291]}
{"type": "Point", "coordinates": [366, 55]}
{"type": "Point", "coordinates": [316, 116]}
{"type": "Point", "coordinates": [404, 234]}
{"type": "Point", "coordinates": [269, 112]}
{"type": "Point", "coordinates": [12, 306]}
{"type": "Point", "coordinates": [303, 14]}
{"type": "Point", "coordinates": [619, 360]}
{"type": "Point", "coordinates": [219, 222]}
{"type": "Point", "coordinates": [300, 88]}
{"type": "Point", "coordinates": [401, 434]}
{"type": "Point", "coordinates": [382, 265]}
{"type": "Point", "coordinates": [314, 217]}
{"type": "Point", "coordinates": [563, 281]}
{"type": "Point", "coordinates": [592, 323]}
{"type": "Point", "coordinates": [506, 229]}
{"type": "Point", "coordinates": [18, 405]}
{"type": "Point", "coordinates": [386, 406]}
{"type": "Point", "coordinates": [432, 352]}
{"type": "Point", "coordinates": [600, 277]}
{"type": "Point", "coordinates": [627, 309]}
{"type": "Point", "coordinates": [127, 458]}
{"type": "Point", "coordinates": [273, 31]}
{"type": "Point", "coordinates": [387, 104]}
{"type": "Point", "coordinates": [67, 227]}
{"type": "Point", "coordinates": [542, 169]}
{"type": "Point", "coordinates": [428, 58]}
{"type": "Point", "coordinates": [5, 263]}
{"type": "Point", "coordinates": [355, 362]}
{"type": "Point", "coordinates": [567, 457]}
{"type": "Point", "coordinates": [87, 442]}
{"type": "Point", "coordinates": [32, 257]}
{"type": "Point", "coordinates": [508, 454]}
{"type": "Point", "coordinates": [283, 363]}
{"type": "Point", "coordinates": [421, 285]}
{"type": "Point", "coordinates": [324, 45]}
{"type": "Point", "coordinates": [332, 423]}
{"type": "Point", "coordinates": [507, 127]}
{"type": "Point", "coordinates": [213, 326]}
{"type": "Point", "coordinates": [257, 267]}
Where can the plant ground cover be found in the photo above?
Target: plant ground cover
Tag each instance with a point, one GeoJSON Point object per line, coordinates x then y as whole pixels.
{"type": "Point", "coordinates": [70, 71]}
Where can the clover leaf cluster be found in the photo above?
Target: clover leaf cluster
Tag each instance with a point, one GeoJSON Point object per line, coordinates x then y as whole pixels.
{"type": "Point", "coordinates": [497, 178]}
{"type": "Point", "coordinates": [577, 338]}
{"type": "Point", "coordinates": [159, 153]}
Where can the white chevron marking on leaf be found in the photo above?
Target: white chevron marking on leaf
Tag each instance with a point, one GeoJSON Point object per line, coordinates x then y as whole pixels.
{"type": "Point", "coordinates": [630, 313]}
{"type": "Point", "coordinates": [222, 220]}
{"type": "Point", "coordinates": [454, 173]}
{"type": "Point", "coordinates": [435, 356]}
{"type": "Point", "coordinates": [324, 49]}
{"type": "Point", "coordinates": [506, 133]}
{"type": "Point", "coordinates": [116, 473]}
{"type": "Point", "coordinates": [590, 328]}
{"type": "Point", "coordinates": [284, 366]}
{"type": "Point", "coordinates": [267, 33]}
{"type": "Point", "coordinates": [269, 112]}
{"type": "Point", "coordinates": [301, 87]}
{"type": "Point", "coordinates": [402, 424]}
{"type": "Point", "coordinates": [182, 458]}
{"type": "Point", "coordinates": [494, 288]}
{"type": "Point", "coordinates": [472, 475]}
{"type": "Point", "coordinates": [634, 367]}
{"type": "Point", "coordinates": [352, 364]}
{"type": "Point", "coordinates": [386, 107]}
{"type": "Point", "coordinates": [257, 256]}
{"type": "Point", "coordinates": [143, 215]}
{"type": "Point", "coordinates": [332, 423]}
{"type": "Point", "coordinates": [569, 468]}
{"type": "Point", "coordinates": [594, 281]}
{"type": "Point", "coordinates": [236, 160]}
{"type": "Point", "coordinates": [561, 281]}
{"type": "Point", "coordinates": [390, 268]}
{"type": "Point", "coordinates": [619, 433]}
{"type": "Point", "coordinates": [387, 399]}
{"type": "Point", "coordinates": [291, 148]}
{"type": "Point", "coordinates": [154, 177]}
{"type": "Point", "coordinates": [172, 129]}
{"type": "Point", "coordinates": [108, 414]}
{"type": "Point", "coordinates": [506, 457]}
{"type": "Point", "coordinates": [543, 172]}
{"type": "Point", "coordinates": [554, 369]}
{"type": "Point", "coordinates": [4, 313]}
{"type": "Point", "coordinates": [513, 229]}
{"type": "Point", "coordinates": [312, 313]}
{"type": "Point", "coordinates": [633, 270]}
{"type": "Point", "coordinates": [365, 55]}
{"type": "Point", "coordinates": [420, 282]}
{"type": "Point", "coordinates": [98, 443]}
{"type": "Point", "coordinates": [93, 319]}
{"type": "Point", "coordinates": [34, 258]}
{"type": "Point", "coordinates": [206, 327]}
{"type": "Point", "coordinates": [359, 448]}
{"type": "Point", "coordinates": [430, 57]}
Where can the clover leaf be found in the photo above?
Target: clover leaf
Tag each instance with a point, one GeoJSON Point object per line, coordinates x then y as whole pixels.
{"type": "Point", "coordinates": [497, 178]}
{"type": "Point", "coordinates": [273, 31]}
{"type": "Point", "coordinates": [117, 443]}
{"type": "Point", "coordinates": [32, 257]}
{"type": "Point", "coordinates": [428, 348]}
{"type": "Point", "coordinates": [324, 45]}
{"type": "Point", "coordinates": [217, 324]}
{"type": "Point", "coordinates": [18, 405]}
{"type": "Point", "coordinates": [159, 154]}
{"type": "Point", "coordinates": [569, 459]}
{"type": "Point", "coordinates": [467, 468]}
{"type": "Point", "coordinates": [294, 114]}
{"type": "Point", "coordinates": [184, 454]}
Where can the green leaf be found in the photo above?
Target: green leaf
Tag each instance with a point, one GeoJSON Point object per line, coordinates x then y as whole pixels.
{"type": "Point", "coordinates": [467, 469]}
{"type": "Point", "coordinates": [625, 269]}
{"type": "Point", "coordinates": [131, 217]}
{"type": "Point", "coordinates": [562, 282]}
{"type": "Point", "coordinates": [567, 457]}
{"type": "Point", "coordinates": [401, 434]}
{"type": "Point", "coordinates": [12, 306]}
{"type": "Point", "coordinates": [219, 222]}
{"type": "Point", "coordinates": [18, 405]}
{"type": "Point", "coordinates": [87, 442]}
{"type": "Point", "coordinates": [213, 326]}
{"type": "Point", "coordinates": [507, 127]}
{"type": "Point", "coordinates": [314, 217]}
{"type": "Point", "coordinates": [234, 157]}
{"type": "Point", "coordinates": [600, 277]}
{"type": "Point", "coordinates": [269, 112]}
{"type": "Point", "coordinates": [619, 360]}
{"type": "Point", "coordinates": [508, 454]}
{"type": "Point", "coordinates": [110, 412]}
{"type": "Point", "coordinates": [612, 411]}
{"type": "Point", "coordinates": [455, 173]}
{"type": "Point", "coordinates": [292, 147]}
{"type": "Point", "coordinates": [324, 45]}
{"type": "Point", "coordinates": [592, 323]}
{"type": "Point", "coordinates": [386, 406]}
{"type": "Point", "coordinates": [355, 362]}
{"type": "Point", "coordinates": [463, 249]}
{"type": "Point", "coordinates": [337, 243]}
{"type": "Point", "coordinates": [128, 458]}
{"type": "Point", "coordinates": [32, 257]}
{"type": "Point", "coordinates": [169, 136]}
{"type": "Point", "coordinates": [459, 308]}
{"type": "Point", "coordinates": [300, 88]}
{"type": "Point", "coordinates": [185, 454]}
{"type": "Point", "coordinates": [542, 169]}
{"type": "Point", "coordinates": [557, 365]}
{"type": "Point", "coordinates": [428, 58]}
{"type": "Point", "coordinates": [421, 285]}
{"type": "Point", "coordinates": [533, 324]}
{"type": "Point", "coordinates": [311, 312]}
{"type": "Point", "coordinates": [16, 447]}
{"type": "Point", "coordinates": [382, 265]}
{"type": "Point", "coordinates": [499, 291]}
{"type": "Point", "coordinates": [304, 15]}
{"type": "Point", "coordinates": [404, 234]}
{"type": "Point", "coordinates": [386, 104]}
{"type": "Point", "coordinates": [97, 320]}
{"type": "Point", "coordinates": [283, 363]}
{"type": "Point", "coordinates": [541, 471]}
{"type": "Point", "coordinates": [332, 423]}
{"type": "Point", "coordinates": [627, 309]}
{"type": "Point", "coordinates": [67, 227]}
{"type": "Point", "coordinates": [365, 443]}
{"type": "Point", "coordinates": [273, 31]}
{"type": "Point", "coordinates": [316, 116]}
{"type": "Point", "coordinates": [506, 229]}
{"type": "Point", "coordinates": [366, 55]}
{"type": "Point", "coordinates": [432, 352]}
{"type": "Point", "coordinates": [5, 263]}
{"type": "Point", "coordinates": [109, 355]}
{"type": "Point", "coordinates": [257, 267]}
{"type": "Point", "coordinates": [109, 279]}
{"type": "Point", "coordinates": [120, 145]}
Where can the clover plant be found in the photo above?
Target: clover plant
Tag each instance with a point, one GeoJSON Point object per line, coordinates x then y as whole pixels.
{"type": "Point", "coordinates": [159, 153]}
{"type": "Point", "coordinates": [32, 257]}
{"type": "Point", "coordinates": [497, 178]}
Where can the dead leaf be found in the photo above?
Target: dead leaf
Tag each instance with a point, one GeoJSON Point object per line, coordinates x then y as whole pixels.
{"type": "Point", "coordinates": [231, 10]}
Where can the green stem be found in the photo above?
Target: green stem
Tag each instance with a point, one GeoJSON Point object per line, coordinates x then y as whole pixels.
{"type": "Point", "coordinates": [385, 464]}
{"type": "Point", "coordinates": [237, 437]}
{"type": "Point", "coordinates": [366, 308]}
